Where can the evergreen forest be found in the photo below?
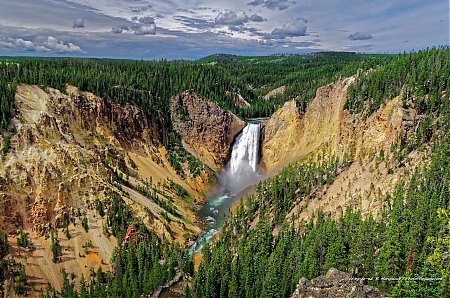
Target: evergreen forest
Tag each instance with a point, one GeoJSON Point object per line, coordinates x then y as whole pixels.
{"type": "Point", "coordinates": [409, 240]}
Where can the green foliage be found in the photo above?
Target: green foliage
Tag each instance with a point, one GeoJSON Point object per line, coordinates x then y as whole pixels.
{"type": "Point", "coordinates": [139, 265]}
{"type": "Point", "coordinates": [294, 182]}
{"type": "Point", "coordinates": [157, 196]}
{"type": "Point", "coordinates": [249, 261]}
{"type": "Point", "coordinates": [22, 239]}
{"type": "Point", "coordinates": [6, 144]}
{"type": "Point", "coordinates": [177, 156]}
{"type": "Point", "coordinates": [55, 247]}
{"type": "Point", "coordinates": [421, 77]}
{"type": "Point", "coordinates": [439, 259]}
{"type": "Point", "coordinates": [151, 84]}
{"type": "Point", "coordinates": [179, 191]}
{"type": "Point", "coordinates": [7, 91]}
{"type": "Point", "coordinates": [301, 75]}
{"type": "Point", "coordinates": [100, 208]}
{"type": "Point", "coordinates": [84, 224]}
{"type": "Point", "coordinates": [4, 245]}
{"type": "Point", "coordinates": [67, 232]}
{"type": "Point", "coordinates": [118, 217]}
{"type": "Point", "coordinates": [67, 287]}
{"type": "Point", "coordinates": [20, 282]}
{"type": "Point", "coordinates": [4, 250]}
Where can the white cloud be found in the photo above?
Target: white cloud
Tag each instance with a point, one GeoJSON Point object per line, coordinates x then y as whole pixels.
{"type": "Point", "coordinates": [422, 23]}
{"type": "Point", "coordinates": [78, 23]}
{"type": "Point", "coordinates": [266, 42]}
{"type": "Point", "coordinates": [271, 4]}
{"type": "Point", "coordinates": [119, 29]}
{"type": "Point", "coordinates": [142, 26]}
{"type": "Point", "coordinates": [144, 29]}
{"type": "Point", "coordinates": [55, 45]}
{"type": "Point", "coordinates": [294, 27]}
{"type": "Point", "coordinates": [27, 45]}
{"type": "Point", "coordinates": [231, 17]}
{"type": "Point", "coordinates": [52, 44]}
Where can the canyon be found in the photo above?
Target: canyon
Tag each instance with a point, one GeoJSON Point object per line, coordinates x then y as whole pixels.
{"type": "Point", "coordinates": [73, 148]}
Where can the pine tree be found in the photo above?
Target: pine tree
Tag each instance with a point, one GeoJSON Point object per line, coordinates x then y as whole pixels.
{"type": "Point", "coordinates": [55, 247]}
{"type": "Point", "coordinates": [85, 225]}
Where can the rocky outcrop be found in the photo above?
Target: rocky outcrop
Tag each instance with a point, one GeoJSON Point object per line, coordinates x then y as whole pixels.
{"type": "Point", "coordinates": [335, 284]}
{"type": "Point", "coordinates": [206, 129]}
{"type": "Point", "coordinates": [280, 136]}
{"type": "Point", "coordinates": [300, 135]}
{"type": "Point", "coordinates": [69, 150]}
{"type": "Point", "coordinates": [237, 99]}
{"type": "Point", "coordinates": [376, 132]}
{"type": "Point", "coordinates": [274, 92]}
{"type": "Point", "coordinates": [326, 128]}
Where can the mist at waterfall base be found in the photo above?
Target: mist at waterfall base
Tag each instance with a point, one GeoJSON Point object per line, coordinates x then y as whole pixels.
{"type": "Point", "coordinates": [242, 168]}
{"type": "Point", "coordinates": [240, 172]}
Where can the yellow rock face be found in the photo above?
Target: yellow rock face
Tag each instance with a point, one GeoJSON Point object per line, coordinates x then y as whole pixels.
{"type": "Point", "coordinates": [62, 155]}
{"type": "Point", "coordinates": [281, 135]}
{"type": "Point", "coordinates": [288, 135]}
{"type": "Point", "coordinates": [326, 128]}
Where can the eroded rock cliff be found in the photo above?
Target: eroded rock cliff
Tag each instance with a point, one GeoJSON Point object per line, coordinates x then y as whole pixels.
{"type": "Point", "coordinates": [327, 129]}
{"type": "Point", "coordinates": [335, 284]}
{"type": "Point", "coordinates": [206, 129]}
{"type": "Point", "coordinates": [69, 150]}
{"type": "Point", "coordinates": [288, 135]}
{"type": "Point", "coordinates": [280, 137]}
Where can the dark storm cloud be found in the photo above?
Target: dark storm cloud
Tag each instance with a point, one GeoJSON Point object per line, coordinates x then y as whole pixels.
{"type": "Point", "coordinates": [244, 29]}
{"type": "Point", "coordinates": [146, 20]}
{"type": "Point", "coordinates": [141, 8]}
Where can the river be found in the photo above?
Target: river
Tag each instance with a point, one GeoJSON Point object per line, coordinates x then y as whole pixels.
{"type": "Point", "coordinates": [240, 172]}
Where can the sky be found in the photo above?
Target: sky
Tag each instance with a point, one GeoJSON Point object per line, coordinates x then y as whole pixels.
{"type": "Point", "coordinates": [191, 29]}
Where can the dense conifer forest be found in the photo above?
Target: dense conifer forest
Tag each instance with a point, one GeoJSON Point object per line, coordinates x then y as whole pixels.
{"type": "Point", "coordinates": [410, 239]}
{"type": "Point", "coordinates": [150, 84]}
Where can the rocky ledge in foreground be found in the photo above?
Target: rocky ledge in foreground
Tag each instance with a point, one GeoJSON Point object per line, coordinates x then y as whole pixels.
{"type": "Point", "coordinates": [335, 284]}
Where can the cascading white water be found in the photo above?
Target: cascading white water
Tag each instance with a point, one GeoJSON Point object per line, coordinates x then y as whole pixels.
{"type": "Point", "coordinates": [240, 172]}
{"type": "Point", "coordinates": [245, 149]}
{"type": "Point", "coordinates": [242, 168]}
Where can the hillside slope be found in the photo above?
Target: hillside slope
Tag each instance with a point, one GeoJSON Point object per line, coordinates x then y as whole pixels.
{"type": "Point", "coordinates": [72, 152]}
{"type": "Point", "coordinates": [326, 129]}
{"type": "Point", "coordinates": [363, 188]}
{"type": "Point", "coordinates": [68, 150]}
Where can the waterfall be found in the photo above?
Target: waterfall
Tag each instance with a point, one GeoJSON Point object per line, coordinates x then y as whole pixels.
{"type": "Point", "coordinates": [242, 168]}
{"type": "Point", "coordinates": [240, 172]}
